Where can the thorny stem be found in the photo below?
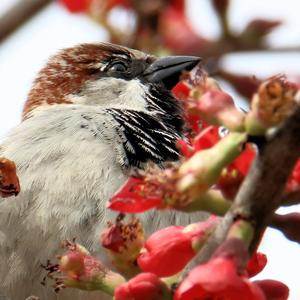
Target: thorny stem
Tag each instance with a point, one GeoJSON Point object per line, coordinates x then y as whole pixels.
{"type": "Point", "coordinates": [261, 191]}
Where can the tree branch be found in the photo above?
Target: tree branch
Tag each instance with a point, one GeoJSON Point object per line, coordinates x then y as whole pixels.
{"type": "Point", "coordinates": [16, 16]}
{"type": "Point", "coordinates": [290, 198]}
{"type": "Point", "coordinates": [261, 192]}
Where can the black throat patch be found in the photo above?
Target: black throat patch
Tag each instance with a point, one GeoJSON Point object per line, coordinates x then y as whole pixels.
{"type": "Point", "coordinates": [150, 136]}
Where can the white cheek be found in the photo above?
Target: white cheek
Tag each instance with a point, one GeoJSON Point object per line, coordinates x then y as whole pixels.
{"type": "Point", "coordinates": [134, 95]}
{"type": "Point", "coordinates": [112, 93]}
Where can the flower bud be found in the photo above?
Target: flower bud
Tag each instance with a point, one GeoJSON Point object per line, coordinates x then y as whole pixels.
{"type": "Point", "coordinates": [144, 286]}
{"type": "Point", "coordinates": [123, 243]}
{"type": "Point", "coordinates": [72, 264]}
{"type": "Point", "coordinates": [217, 108]}
{"type": "Point", "coordinates": [271, 105]}
{"type": "Point", "coordinates": [167, 251]}
{"type": "Point", "coordinates": [83, 271]}
{"type": "Point", "coordinates": [256, 264]}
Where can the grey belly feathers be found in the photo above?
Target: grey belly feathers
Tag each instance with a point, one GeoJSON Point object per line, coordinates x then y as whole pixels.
{"type": "Point", "coordinates": [70, 161]}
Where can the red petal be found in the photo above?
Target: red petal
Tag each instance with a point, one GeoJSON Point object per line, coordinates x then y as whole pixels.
{"type": "Point", "coordinates": [218, 278]}
{"type": "Point", "coordinates": [256, 264]}
{"type": "Point", "coordinates": [141, 287]}
{"type": "Point", "coordinates": [112, 239]}
{"type": "Point", "coordinates": [130, 198]}
{"type": "Point", "coordinates": [167, 251]}
{"type": "Point", "coordinates": [273, 289]}
{"type": "Point", "coordinates": [243, 162]}
{"type": "Point", "coordinates": [185, 149]}
{"type": "Point", "coordinates": [181, 90]}
{"type": "Point", "coordinates": [179, 5]}
{"type": "Point", "coordinates": [214, 101]}
{"type": "Point", "coordinates": [76, 6]}
{"type": "Point", "coordinates": [230, 181]}
{"type": "Point", "coordinates": [206, 138]}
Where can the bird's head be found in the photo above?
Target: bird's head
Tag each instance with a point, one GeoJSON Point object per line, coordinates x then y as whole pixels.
{"type": "Point", "coordinates": [106, 75]}
{"type": "Point", "coordinates": [131, 86]}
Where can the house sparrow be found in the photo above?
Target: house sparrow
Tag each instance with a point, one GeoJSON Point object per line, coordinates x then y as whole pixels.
{"type": "Point", "coordinates": [94, 113]}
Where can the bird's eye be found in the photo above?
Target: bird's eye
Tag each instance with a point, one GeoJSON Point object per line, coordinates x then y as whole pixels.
{"type": "Point", "coordinates": [118, 67]}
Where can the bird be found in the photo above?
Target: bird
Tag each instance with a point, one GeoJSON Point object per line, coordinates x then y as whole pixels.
{"type": "Point", "coordinates": [95, 112]}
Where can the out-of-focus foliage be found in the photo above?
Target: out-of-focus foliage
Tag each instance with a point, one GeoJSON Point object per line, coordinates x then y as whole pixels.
{"type": "Point", "coordinates": [162, 26]}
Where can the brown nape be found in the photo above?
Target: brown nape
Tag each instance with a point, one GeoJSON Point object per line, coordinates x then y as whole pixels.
{"type": "Point", "coordinates": [66, 72]}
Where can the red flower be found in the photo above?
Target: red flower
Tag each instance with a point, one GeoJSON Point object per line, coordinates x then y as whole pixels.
{"type": "Point", "coordinates": [72, 264]}
{"type": "Point", "coordinates": [141, 287]}
{"type": "Point", "coordinates": [113, 238]}
{"type": "Point", "coordinates": [273, 290]}
{"type": "Point", "coordinates": [234, 174]}
{"type": "Point", "coordinates": [185, 40]}
{"type": "Point", "coordinates": [204, 140]}
{"type": "Point", "coordinates": [217, 279]}
{"type": "Point", "coordinates": [134, 197]}
{"type": "Point", "coordinates": [167, 251]}
{"type": "Point", "coordinates": [181, 90]}
{"type": "Point", "coordinates": [192, 118]}
{"type": "Point", "coordinates": [256, 264]}
{"type": "Point", "coordinates": [78, 265]}
{"type": "Point", "coordinates": [123, 243]}
{"type": "Point", "coordinates": [76, 6]}
{"type": "Point", "coordinates": [179, 5]}
{"type": "Point", "coordinates": [217, 108]}
{"type": "Point", "coordinates": [78, 269]}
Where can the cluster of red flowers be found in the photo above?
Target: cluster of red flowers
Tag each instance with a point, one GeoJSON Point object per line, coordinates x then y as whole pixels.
{"type": "Point", "coordinates": [141, 194]}
{"type": "Point", "coordinates": [164, 254]}
{"type": "Point", "coordinates": [218, 279]}
{"type": "Point", "coordinates": [210, 114]}
{"type": "Point", "coordinates": [167, 251]}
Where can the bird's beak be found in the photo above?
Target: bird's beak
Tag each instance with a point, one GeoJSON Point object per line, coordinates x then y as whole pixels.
{"type": "Point", "coordinates": [168, 69]}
